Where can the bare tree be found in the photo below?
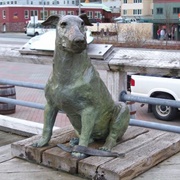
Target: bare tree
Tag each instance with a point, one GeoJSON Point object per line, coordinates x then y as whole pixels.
{"type": "Point", "coordinates": [136, 35]}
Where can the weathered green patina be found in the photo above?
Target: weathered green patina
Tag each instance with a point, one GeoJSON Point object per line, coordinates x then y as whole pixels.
{"type": "Point", "coordinates": [76, 88]}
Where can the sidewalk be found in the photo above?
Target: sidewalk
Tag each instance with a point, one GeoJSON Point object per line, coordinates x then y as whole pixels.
{"type": "Point", "coordinates": [33, 73]}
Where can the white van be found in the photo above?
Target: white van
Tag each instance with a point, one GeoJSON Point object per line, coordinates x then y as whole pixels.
{"type": "Point", "coordinates": [34, 29]}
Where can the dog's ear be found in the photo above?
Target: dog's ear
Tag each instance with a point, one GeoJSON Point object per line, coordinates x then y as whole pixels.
{"type": "Point", "coordinates": [85, 19]}
{"type": "Point", "coordinates": [51, 20]}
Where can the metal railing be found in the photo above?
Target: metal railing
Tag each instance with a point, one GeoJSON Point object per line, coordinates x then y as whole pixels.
{"type": "Point", "coordinates": [123, 97]}
{"type": "Point", "coordinates": [148, 100]}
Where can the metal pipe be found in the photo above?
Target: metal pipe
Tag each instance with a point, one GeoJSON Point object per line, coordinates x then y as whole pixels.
{"type": "Point", "coordinates": [153, 125]}
{"type": "Point", "coordinates": [156, 101]}
{"type": "Point", "coordinates": [133, 122]}
{"type": "Point", "coordinates": [123, 97]}
{"type": "Point", "coordinates": [22, 103]}
{"type": "Point", "coordinates": [22, 84]}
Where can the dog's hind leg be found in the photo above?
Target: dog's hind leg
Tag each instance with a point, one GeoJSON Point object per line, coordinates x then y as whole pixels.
{"type": "Point", "coordinates": [118, 126]}
{"type": "Point", "coordinates": [50, 113]}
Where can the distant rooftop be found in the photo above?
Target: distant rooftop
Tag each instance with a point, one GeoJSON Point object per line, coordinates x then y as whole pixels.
{"type": "Point", "coordinates": [96, 5]}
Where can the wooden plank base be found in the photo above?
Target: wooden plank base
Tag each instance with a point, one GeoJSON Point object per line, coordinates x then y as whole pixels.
{"type": "Point", "coordinates": [143, 148]}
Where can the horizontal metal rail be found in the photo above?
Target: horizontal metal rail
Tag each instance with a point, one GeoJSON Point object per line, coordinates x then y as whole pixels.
{"type": "Point", "coordinates": [22, 84]}
{"type": "Point", "coordinates": [22, 103]}
{"type": "Point", "coordinates": [133, 122]}
{"type": "Point", "coordinates": [123, 97]}
{"type": "Point", "coordinates": [153, 125]}
{"type": "Point", "coordinates": [148, 100]}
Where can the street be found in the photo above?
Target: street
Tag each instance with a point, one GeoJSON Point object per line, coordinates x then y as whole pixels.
{"type": "Point", "coordinates": [18, 39]}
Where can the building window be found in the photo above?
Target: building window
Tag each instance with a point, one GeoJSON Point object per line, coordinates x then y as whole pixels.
{"type": "Point", "coordinates": [53, 12]}
{"type": "Point", "coordinates": [26, 14]}
{"type": "Point", "coordinates": [73, 2]}
{"type": "Point", "coordinates": [43, 14]}
{"type": "Point", "coordinates": [34, 12]}
{"type": "Point", "coordinates": [159, 10]}
{"type": "Point", "coordinates": [70, 13]}
{"type": "Point", "coordinates": [63, 13]}
{"type": "Point", "coordinates": [137, 11]}
{"type": "Point", "coordinates": [124, 12]}
{"type": "Point", "coordinates": [125, 1]}
{"type": "Point", "coordinates": [97, 15]}
{"type": "Point", "coordinates": [90, 14]}
{"type": "Point", "coordinates": [31, 2]}
{"type": "Point", "coordinates": [15, 2]}
{"type": "Point", "coordinates": [137, 1]}
{"type": "Point", "coordinates": [176, 10]}
{"type": "Point", "coordinates": [11, 2]}
{"type": "Point", "coordinates": [4, 14]}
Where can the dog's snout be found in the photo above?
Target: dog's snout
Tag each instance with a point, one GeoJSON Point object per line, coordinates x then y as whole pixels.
{"type": "Point", "coordinates": [79, 41]}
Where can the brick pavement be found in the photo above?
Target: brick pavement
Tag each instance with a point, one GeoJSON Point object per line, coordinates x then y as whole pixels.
{"type": "Point", "coordinates": [33, 73]}
{"type": "Point", "coordinates": [36, 73]}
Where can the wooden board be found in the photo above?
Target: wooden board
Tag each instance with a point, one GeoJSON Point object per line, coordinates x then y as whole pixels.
{"type": "Point", "coordinates": [25, 150]}
{"type": "Point", "coordinates": [143, 148]}
{"type": "Point", "coordinates": [57, 158]}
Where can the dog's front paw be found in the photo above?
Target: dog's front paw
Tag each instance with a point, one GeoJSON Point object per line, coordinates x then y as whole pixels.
{"type": "Point", "coordinates": [104, 148]}
{"type": "Point", "coordinates": [78, 155]}
{"type": "Point", "coordinates": [42, 142]}
{"type": "Point", "coordinates": [74, 141]}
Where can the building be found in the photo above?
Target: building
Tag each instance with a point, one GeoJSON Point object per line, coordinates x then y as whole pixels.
{"type": "Point", "coordinates": [166, 15]}
{"type": "Point", "coordinates": [138, 9]}
{"type": "Point", "coordinates": [40, 2]}
{"type": "Point", "coordinates": [13, 18]}
{"type": "Point", "coordinates": [114, 5]}
{"type": "Point", "coordinates": [48, 2]}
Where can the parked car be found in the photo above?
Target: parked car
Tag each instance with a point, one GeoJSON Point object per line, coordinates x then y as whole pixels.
{"type": "Point", "coordinates": [157, 87]}
{"type": "Point", "coordinates": [34, 29]}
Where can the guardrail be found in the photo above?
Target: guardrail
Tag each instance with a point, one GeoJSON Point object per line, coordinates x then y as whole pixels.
{"type": "Point", "coordinates": [123, 97]}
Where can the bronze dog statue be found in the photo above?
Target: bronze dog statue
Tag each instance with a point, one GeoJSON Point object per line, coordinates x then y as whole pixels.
{"type": "Point", "coordinates": [76, 88]}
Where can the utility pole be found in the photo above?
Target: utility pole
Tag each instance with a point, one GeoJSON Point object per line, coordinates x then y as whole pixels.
{"type": "Point", "coordinates": [79, 7]}
{"type": "Point", "coordinates": [43, 10]}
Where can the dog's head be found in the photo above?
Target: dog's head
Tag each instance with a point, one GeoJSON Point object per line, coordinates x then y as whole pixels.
{"type": "Point", "coordinates": [70, 32]}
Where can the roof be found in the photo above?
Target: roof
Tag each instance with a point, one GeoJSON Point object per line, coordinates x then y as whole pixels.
{"type": "Point", "coordinates": [96, 5]}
